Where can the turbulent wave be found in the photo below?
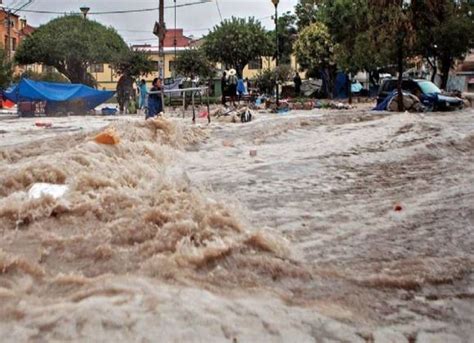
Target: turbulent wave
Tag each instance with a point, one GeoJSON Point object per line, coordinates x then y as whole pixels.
{"type": "Point", "coordinates": [127, 212]}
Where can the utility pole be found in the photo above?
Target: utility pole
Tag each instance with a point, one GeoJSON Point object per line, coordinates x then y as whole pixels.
{"type": "Point", "coordinates": [277, 42]}
{"type": "Point", "coordinates": [9, 35]}
{"type": "Point", "coordinates": [175, 42]}
{"type": "Point", "coordinates": [162, 50]}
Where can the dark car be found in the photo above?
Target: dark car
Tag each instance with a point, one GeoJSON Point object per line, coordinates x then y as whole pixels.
{"type": "Point", "coordinates": [428, 93]}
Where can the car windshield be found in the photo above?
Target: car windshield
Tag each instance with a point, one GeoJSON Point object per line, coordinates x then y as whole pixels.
{"type": "Point", "coordinates": [428, 87]}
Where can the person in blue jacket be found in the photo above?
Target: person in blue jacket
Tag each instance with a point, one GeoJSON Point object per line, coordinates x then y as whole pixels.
{"type": "Point", "coordinates": [143, 93]}
{"type": "Point", "coordinates": [155, 106]}
{"type": "Point", "coordinates": [240, 88]}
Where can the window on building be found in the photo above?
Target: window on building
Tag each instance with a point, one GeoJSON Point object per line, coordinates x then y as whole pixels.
{"type": "Point", "coordinates": [97, 68]}
{"type": "Point", "coordinates": [255, 64]}
{"type": "Point", "coordinates": [14, 44]}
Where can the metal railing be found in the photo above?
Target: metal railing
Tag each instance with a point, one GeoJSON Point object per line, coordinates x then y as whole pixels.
{"type": "Point", "coordinates": [194, 91]}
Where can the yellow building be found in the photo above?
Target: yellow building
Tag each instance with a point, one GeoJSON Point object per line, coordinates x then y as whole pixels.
{"type": "Point", "coordinates": [107, 78]}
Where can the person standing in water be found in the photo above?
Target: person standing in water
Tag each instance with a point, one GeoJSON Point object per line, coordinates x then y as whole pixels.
{"type": "Point", "coordinates": [143, 93]}
{"type": "Point", "coordinates": [240, 88]}
{"type": "Point", "coordinates": [124, 92]}
{"type": "Point", "coordinates": [224, 87]}
{"type": "Point", "coordinates": [155, 107]}
{"type": "Point", "coordinates": [233, 85]}
{"type": "Point", "coordinates": [298, 82]}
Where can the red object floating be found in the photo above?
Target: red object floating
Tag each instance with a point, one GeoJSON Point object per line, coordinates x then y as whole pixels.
{"type": "Point", "coordinates": [40, 124]}
{"type": "Point", "coordinates": [398, 208]}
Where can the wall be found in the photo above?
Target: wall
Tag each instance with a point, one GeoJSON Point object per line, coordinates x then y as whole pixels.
{"type": "Point", "coordinates": [108, 80]}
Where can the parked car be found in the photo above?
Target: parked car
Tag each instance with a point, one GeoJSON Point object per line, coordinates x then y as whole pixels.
{"type": "Point", "coordinates": [428, 93]}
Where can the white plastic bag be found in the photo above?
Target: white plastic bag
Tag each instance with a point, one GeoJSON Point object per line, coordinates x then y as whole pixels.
{"type": "Point", "coordinates": [41, 189]}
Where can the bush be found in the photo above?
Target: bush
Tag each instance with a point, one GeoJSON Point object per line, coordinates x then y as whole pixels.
{"type": "Point", "coordinates": [266, 79]}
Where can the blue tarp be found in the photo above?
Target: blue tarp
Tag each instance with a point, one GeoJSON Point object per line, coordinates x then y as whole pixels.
{"type": "Point", "coordinates": [384, 104]}
{"type": "Point", "coordinates": [341, 86]}
{"type": "Point", "coordinates": [55, 94]}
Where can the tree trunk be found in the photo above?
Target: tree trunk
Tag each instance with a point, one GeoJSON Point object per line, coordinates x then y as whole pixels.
{"type": "Point", "coordinates": [401, 107]}
{"type": "Point", "coordinates": [240, 70]}
{"type": "Point", "coordinates": [446, 63]}
{"type": "Point", "coordinates": [329, 76]}
{"type": "Point", "coordinates": [76, 72]}
{"type": "Point", "coordinates": [434, 67]}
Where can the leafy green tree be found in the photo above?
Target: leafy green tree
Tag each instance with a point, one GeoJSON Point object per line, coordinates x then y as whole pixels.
{"type": "Point", "coordinates": [71, 44]}
{"type": "Point", "coordinates": [236, 42]}
{"type": "Point", "coordinates": [445, 33]}
{"type": "Point", "coordinates": [194, 62]}
{"type": "Point", "coordinates": [287, 33]}
{"type": "Point", "coordinates": [307, 12]}
{"type": "Point", "coordinates": [265, 79]}
{"type": "Point", "coordinates": [391, 27]}
{"type": "Point", "coordinates": [5, 70]}
{"type": "Point", "coordinates": [314, 51]}
{"type": "Point", "coordinates": [133, 63]}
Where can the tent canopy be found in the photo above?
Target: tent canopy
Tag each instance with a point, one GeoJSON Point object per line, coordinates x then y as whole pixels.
{"type": "Point", "coordinates": [55, 93]}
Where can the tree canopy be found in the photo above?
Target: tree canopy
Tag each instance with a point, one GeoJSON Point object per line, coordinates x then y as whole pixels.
{"type": "Point", "coordinates": [133, 63]}
{"type": "Point", "coordinates": [314, 50]}
{"type": "Point", "coordinates": [194, 62]}
{"type": "Point", "coordinates": [445, 32]}
{"type": "Point", "coordinates": [5, 70]}
{"type": "Point", "coordinates": [307, 12]}
{"type": "Point", "coordinates": [71, 44]}
{"type": "Point", "coordinates": [287, 33]}
{"type": "Point", "coordinates": [237, 41]}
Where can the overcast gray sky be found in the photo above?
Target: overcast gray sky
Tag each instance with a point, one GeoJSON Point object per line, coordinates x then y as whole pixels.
{"type": "Point", "coordinates": [136, 27]}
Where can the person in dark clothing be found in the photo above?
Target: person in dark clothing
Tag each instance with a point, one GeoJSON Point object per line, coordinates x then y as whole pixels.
{"type": "Point", "coordinates": [233, 81]}
{"type": "Point", "coordinates": [297, 81]}
{"type": "Point", "coordinates": [155, 106]}
{"type": "Point", "coordinates": [224, 87]}
{"type": "Point", "coordinates": [124, 92]}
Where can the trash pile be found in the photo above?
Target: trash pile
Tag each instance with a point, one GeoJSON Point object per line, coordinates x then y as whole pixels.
{"type": "Point", "coordinates": [309, 104]}
{"type": "Point", "coordinates": [241, 114]}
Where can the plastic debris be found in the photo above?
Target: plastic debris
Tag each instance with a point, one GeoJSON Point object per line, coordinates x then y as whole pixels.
{"type": "Point", "coordinates": [39, 190]}
{"type": "Point", "coordinates": [43, 124]}
{"type": "Point", "coordinates": [398, 208]}
{"type": "Point", "coordinates": [108, 136]}
{"type": "Point", "coordinates": [227, 143]}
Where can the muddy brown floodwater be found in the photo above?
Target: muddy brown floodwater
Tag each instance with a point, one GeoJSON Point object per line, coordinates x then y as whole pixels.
{"type": "Point", "coordinates": [340, 226]}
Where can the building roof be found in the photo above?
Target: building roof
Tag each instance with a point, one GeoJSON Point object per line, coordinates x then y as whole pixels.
{"type": "Point", "coordinates": [181, 40]}
{"type": "Point", "coordinates": [155, 48]}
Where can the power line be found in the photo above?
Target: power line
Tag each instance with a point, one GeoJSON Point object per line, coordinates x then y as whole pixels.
{"type": "Point", "coordinates": [200, 2]}
{"type": "Point", "coordinates": [218, 9]}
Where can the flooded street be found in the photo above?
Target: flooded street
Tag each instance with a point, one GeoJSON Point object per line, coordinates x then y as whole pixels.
{"type": "Point", "coordinates": [345, 226]}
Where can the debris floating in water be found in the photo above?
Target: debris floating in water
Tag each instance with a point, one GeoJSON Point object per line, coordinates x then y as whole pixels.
{"type": "Point", "coordinates": [108, 136]}
{"type": "Point", "coordinates": [40, 189]}
{"type": "Point", "coordinates": [44, 124]}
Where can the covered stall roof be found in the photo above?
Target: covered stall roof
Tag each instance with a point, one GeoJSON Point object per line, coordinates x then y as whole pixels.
{"type": "Point", "coordinates": [55, 93]}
